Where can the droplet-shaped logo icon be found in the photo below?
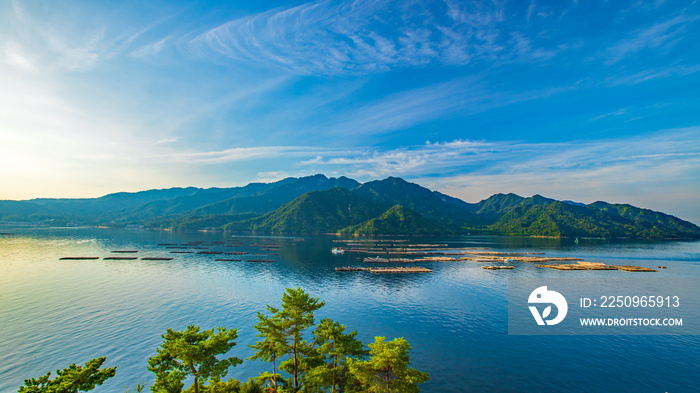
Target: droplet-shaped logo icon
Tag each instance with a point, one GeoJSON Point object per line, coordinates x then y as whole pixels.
{"type": "Point", "coordinates": [542, 296]}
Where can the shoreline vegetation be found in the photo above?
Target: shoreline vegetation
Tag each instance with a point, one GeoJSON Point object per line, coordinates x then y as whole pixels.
{"type": "Point", "coordinates": [342, 206]}
{"type": "Point", "coordinates": [325, 359]}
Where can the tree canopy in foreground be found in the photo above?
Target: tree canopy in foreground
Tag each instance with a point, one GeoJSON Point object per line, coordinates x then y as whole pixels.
{"type": "Point", "coordinates": [305, 358]}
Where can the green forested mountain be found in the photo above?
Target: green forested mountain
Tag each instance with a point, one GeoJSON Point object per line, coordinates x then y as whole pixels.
{"type": "Point", "coordinates": [163, 206]}
{"type": "Point", "coordinates": [87, 209]}
{"type": "Point", "coordinates": [319, 211]}
{"type": "Point", "coordinates": [539, 216]}
{"type": "Point", "coordinates": [429, 204]}
{"type": "Point", "coordinates": [398, 220]}
{"type": "Point", "coordinates": [257, 198]}
{"type": "Point", "coordinates": [274, 197]}
{"type": "Point", "coordinates": [318, 204]}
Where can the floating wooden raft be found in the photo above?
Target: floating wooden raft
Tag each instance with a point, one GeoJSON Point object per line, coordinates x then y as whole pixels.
{"type": "Point", "coordinates": [497, 253]}
{"type": "Point", "coordinates": [124, 251]}
{"type": "Point", "coordinates": [261, 260]}
{"type": "Point", "coordinates": [228, 260]}
{"type": "Point", "coordinates": [236, 253]}
{"type": "Point", "coordinates": [210, 252]}
{"type": "Point", "coordinates": [78, 258]}
{"type": "Point", "coordinates": [376, 260]}
{"type": "Point", "coordinates": [578, 266]}
{"type": "Point", "coordinates": [629, 268]}
{"type": "Point", "coordinates": [492, 258]}
{"type": "Point", "coordinates": [119, 258]}
{"type": "Point", "coordinates": [440, 259]}
{"type": "Point", "coordinates": [155, 259]}
{"type": "Point", "coordinates": [596, 266]}
{"type": "Point", "coordinates": [376, 270]}
{"type": "Point", "coordinates": [182, 252]}
{"type": "Point", "coordinates": [492, 267]}
{"type": "Point", "coordinates": [351, 269]}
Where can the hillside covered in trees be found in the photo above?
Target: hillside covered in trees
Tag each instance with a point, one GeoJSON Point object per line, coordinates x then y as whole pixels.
{"type": "Point", "coordinates": [318, 204]}
{"type": "Point", "coordinates": [303, 357]}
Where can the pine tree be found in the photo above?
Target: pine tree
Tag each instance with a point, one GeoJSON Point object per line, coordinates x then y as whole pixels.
{"type": "Point", "coordinates": [71, 379]}
{"type": "Point", "coordinates": [334, 347]}
{"type": "Point", "coordinates": [283, 332]}
{"type": "Point", "coordinates": [191, 352]}
{"type": "Point", "coordinates": [387, 369]}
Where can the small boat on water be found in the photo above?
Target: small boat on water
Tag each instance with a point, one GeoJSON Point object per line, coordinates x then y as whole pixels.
{"type": "Point", "coordinates": [337, 250]}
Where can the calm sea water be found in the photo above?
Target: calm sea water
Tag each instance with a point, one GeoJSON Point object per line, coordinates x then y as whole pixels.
{"type": "Point", "coordinates": [53, 312]}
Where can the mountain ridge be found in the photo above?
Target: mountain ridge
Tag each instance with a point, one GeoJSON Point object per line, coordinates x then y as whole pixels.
{"type": "Point", "coordinates": [318, 204]}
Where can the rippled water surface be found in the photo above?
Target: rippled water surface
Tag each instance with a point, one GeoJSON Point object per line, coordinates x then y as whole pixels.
{"type": "Point", "coordinates": [56, 312]}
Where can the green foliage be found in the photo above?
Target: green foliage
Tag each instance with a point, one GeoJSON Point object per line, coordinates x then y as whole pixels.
{"type": "Point", "coordinates": [317, 204]}
{"type": "Point", "coordinates": [398, 220]}
{"type": "Point", "coordinates": [432, 205]}
{"type": "Point", "coordinates": [387, 369]}
{"type": "Point", "coordinates": [543, 217]}
{"type": "Point", "coordinates": [318, 212]}
{"type": "Point", "coordinates": [71, 379]}
{"type": "Point", "coordinates": [497, 204]}
{"type": "Point", "coordinates": [271, 347]}
{"type": "Point", "coordinates": [195, 222]}
{"type": "Point", "coordinates": [191, 352]}
{"type": "Point", "coordinates": [327, 359]}
{"type": "Point", "coordinates": [334, 348]}
{"type": "Point", "coordinates": [283, 334]}
{"type": "Point", "coordinates": [229, 386]}
{"type": "Point", "coordinates": [168, 381]}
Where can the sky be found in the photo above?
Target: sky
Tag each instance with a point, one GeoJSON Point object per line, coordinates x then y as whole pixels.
{"type": "Point", "coordinates": [581, 100]}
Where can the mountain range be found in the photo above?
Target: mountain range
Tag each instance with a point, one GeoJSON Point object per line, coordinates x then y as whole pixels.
{"type": "Point", "coordinates": [318, 204]}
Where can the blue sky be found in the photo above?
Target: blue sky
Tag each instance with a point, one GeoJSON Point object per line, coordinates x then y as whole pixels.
{"type": "Point", "coordinates": [587, 100]}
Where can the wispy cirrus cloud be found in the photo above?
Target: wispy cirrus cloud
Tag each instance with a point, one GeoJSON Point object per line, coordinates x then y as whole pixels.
{"type": "Point", "coordinates": [676, 147]}
{"type": "Point", "coordinates": [652, 74]}
{"type": "Point", "coordinates": [662, 35]}
{"type": "Point", "coordinates": [338, 37]}
{"type": "Point", "coordinates": [456, 97]}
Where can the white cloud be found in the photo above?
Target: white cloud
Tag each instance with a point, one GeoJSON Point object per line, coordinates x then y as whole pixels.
{"type": "Point", "coordinates": [651, 74]}
{"type": "Point", "coordinates": [662, 34]}
{"type": "Point", "coordinates": [14, 55]}
{"type": "Point", "coordinates": [456, 97]}
{"type": "Point", "coordinates": [340, 37]}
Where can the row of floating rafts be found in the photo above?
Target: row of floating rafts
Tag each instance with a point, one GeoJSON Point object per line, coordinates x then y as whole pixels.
{"type": "Point", "coordinates": [376, 260]}
{"type": "Point", "coordinates": [180, 249]}
{"type": "Point", "coordinates": [598, 266]}
{"type": "Point", "coordinates": [115, 258]}
{"type": "Point", "coordinates": [263, 245]}
{"type": "Point", "coordinates": [376, 270]}
{"type": "Point", "coordinates": [388, 260]}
